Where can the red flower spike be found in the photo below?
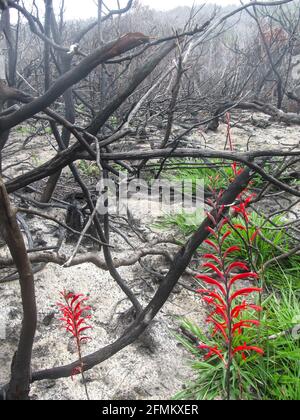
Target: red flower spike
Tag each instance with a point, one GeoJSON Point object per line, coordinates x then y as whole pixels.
{"type": "Point", "coordinates": [74, 316]}
{"type": "Point", "coordinates": [223, 314]}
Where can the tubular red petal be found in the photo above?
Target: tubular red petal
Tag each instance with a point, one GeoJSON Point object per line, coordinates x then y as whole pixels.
{"type": "Point", "coordinates": [211, 217]}
{"type": "Point", "coordinates": [213, 350]}
{"type": "Point", "coordinates": [248, 348]}
{"type": "Point", "coordinates": [210, 280]}
{"type": "Point", "coordinates": [237, 264]}
{"type": "Point", "coordinates": [223, 222]}
{"type": "Point", "coordinates": [240, 227]}
{"type": "Point", "coordinates": [255, 234]}
{"type": "Point", "coordinates": [218, 327]}
{"type": "Point", "coordinates": [211, 231]}
{"type": "Point", "coordinates": [75, 298]}
{"type": "Point", "coordinates": [210, 243]}
{"type": "Point", "coordinates": [245, 292]}
{"type": "Point", "coordinates": [212, 294]}
{"type": "Point", "coordinates": [84, 329]}
{"type": "Point", "coordinates": [231, 250]}
{"type": "Point", "coordinates": [242, 276]}
{"type": "Point", "coordinates": [214, 268]}
{"type": "Point", "coordinates": [245, 324]}
{"type": "Point", "coordinates": [225, 236]}
{"type": "Point", "coordinates": [212, 257]}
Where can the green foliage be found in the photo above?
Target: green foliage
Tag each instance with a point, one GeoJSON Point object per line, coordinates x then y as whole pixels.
{"type": "Point", "coordinates": [89, 169]}
{"type": "Point", "coordinates": [202, 172]}
{"type": "Point", "coordinates": [288, 269]}
{"type": "Point", "coordinates": [113, 121]}
{"type": "Point", "coordinates": [48, 130]}
{"type": "Point", "coordinates": [35, 159]}
{"type": "Point", "coordinates": [264, 249]}
{"type": "Point", "coordinates": [185, 222]}
{"type": "Point", "coordinates": [274, 376]}
{"type": "Point", "coordinates": [23, 129]}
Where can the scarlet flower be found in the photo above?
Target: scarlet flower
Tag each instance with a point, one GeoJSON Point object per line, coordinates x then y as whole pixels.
{"type": "Point", "coordinates": [211, 231]}
{"type": "Point", "coordinates": [212, 257]}
{"type": "Point", "coordinates": [255, 234]}
{"type": "Point", "coordinates": [248, 348]}
{"type": "Point", "coordinates": [210, 280]}
{"type": "Point", "coordinates": [223, 222]}
{"type": "Point", "coordinates": [225, 236]}
{"type": "Point", "coordinates": [212, 351]}
{"type": "Point", "coordinates": [214, 268]}
{"type": "Point", "coordinates": [211, 217]}
{"type": "Point", "coordinates": [237, 310]}
{"type": "Point", "coordinates": [240, 227]}
{"type": "Point", "coordinates": [74, 314]}
{"type": "Point", "coordinates": [220, 310]}
{"type": "Point", "coordinates": [213, 245]}
{"type": "Point", "coordinates": [244, 324]}
{"type": "Point", "coordinates": [221, 327]}
{"type": "Point", "coordinates": [242, 276]}
{"type": "Point", "coordinates": [211, 294]}
{"type": "Point", "coordinates": [231, 250]}
{"type": "Point", "coordinates": [245, 292]}
{"type": "Point", "coordinates": [236, 264]}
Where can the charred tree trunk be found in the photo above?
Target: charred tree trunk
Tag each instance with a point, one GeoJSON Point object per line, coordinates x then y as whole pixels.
{"type": "Point", "coordinates": [19, 385]}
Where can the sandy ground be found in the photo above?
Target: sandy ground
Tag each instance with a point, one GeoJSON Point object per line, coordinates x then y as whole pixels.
{"type": "Point", "coordinates": [156, 366]}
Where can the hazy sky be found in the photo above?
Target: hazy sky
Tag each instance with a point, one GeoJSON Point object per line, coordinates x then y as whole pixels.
{"type": "Point", "coordinates": [75, 9]}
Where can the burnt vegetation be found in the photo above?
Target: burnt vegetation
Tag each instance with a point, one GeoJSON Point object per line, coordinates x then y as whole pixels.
{"type": "Point", "coordinates": [135, 91]}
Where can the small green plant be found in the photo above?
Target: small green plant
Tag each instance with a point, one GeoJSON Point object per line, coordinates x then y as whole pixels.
{"type": "Point", "coordinates": [35, 159]}
{"type": "Point", "coordinates": [23, 129]}
{"type": "Point", "coordinates": [268, 238]}
{"type": "Point", "coordinates": [89, 169]}
{"type": "Point", "coordinates": [185, 222]}
{"type": "Point", "coordinates": [202, 172]}
{"type": "Point", "coordinates": [113, 121]}
{"type": "Point", "coordinates": [48, 130]}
